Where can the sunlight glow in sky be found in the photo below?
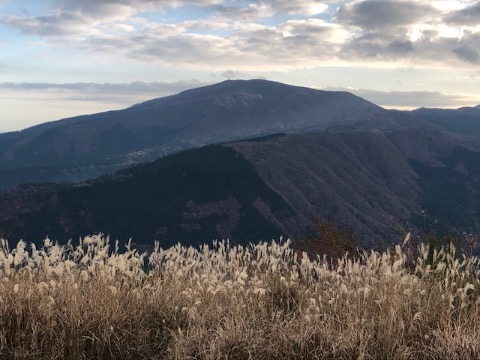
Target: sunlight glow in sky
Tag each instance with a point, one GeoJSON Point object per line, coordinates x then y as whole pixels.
{"type": "Point", "coordinates": [61, 58]}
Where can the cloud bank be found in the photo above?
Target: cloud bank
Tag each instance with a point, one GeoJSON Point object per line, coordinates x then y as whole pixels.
{"type": "Point", "coordinates": [247, 35]}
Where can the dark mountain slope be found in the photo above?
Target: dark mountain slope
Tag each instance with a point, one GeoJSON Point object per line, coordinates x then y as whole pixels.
{"type": "Point", "coordinates": [191, 197]}
{"type": "Point", "coordinates": [83, 147]}
{"type": "Point", "coordinates": [451, 193]}
{"type": "Point", "coordinates": [374, 182]}
{"type": "Point", "coordinates": [465, 121]}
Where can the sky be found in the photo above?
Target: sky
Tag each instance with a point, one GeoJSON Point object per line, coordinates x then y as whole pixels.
{"type": "Point", "coordinates": [62, 58]}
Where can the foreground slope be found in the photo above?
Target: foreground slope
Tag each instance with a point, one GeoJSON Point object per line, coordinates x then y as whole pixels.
{"type": "Point", "coordinates": [208, 193]}
{"type": "Point", "coordinates": [377, 183]}
{"type": "Point", "coordinates": [88, 146]}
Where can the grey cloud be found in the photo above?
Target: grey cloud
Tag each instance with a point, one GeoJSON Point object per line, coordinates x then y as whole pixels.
{"type": "Point", "coordinates": [382, 14]}
{"type": "Point", "coordinates": [468, 16]}
{"type": "Point", "coordinates": [428, 49]}
{"type": "Point", "coordinates": [467, 54]}
{"type": "Point", "coordinates": [186, 49]}
{"type": "Point", "coordinates": [68, 17]}
{"type": "Point", "coordinates": [64, 18]}
{"type": "Point", "coordinates": [232, 74]}
{"type": "Point", "coordinates": [95, 8]}
{"type": "Point", "coordinates": [273, 46]}
{"type": "Point", "coordinates": [377, 45]}
{"type": "Point", "coordinates": [294, 41]}
{"type": "Point", "coordinates": [52, 25]}
{"type": "Point", "coordinates": [450, 50]}
{"type": "Point", "coordinates": [400, 47]}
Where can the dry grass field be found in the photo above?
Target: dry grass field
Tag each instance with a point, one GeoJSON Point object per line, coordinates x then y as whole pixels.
{"type": "Point", "coordinates": [265, 301]}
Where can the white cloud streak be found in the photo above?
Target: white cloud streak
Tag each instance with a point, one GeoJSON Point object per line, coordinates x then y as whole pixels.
{"type": "Point", "coordinates": [114, 92]}
{"type": "Point", "coordinates": [416, 99]}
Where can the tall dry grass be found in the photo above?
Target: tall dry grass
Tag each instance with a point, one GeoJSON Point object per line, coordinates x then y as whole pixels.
{"type": "Point", "coordinates": [259, 302]}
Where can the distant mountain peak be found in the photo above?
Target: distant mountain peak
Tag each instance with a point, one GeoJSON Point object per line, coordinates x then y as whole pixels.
{"type": "Point", "coordinates": [228, 87]}
{"type": "Point", "coordinates": [271, 93]}
{"type": "Point", "coordinates": [234, 109]}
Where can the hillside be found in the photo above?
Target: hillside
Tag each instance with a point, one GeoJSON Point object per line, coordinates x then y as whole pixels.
{"type": "Point", "coordinates": [186, 197]}
{"type": "Point", "coordinates": [375, 182]}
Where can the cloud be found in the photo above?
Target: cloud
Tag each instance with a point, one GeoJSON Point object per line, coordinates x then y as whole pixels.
{"type": "Point", "coordinates": [122, 8]}
{"type": "Point", "coordinates": [299, 7]}
{"type": "Point", "coordinates": [400, 47]}
{"type": "Point", "coordinates": [467, 54]}
{"type": "Point", "coordinates": [228, 35]}
{"type": "Point", "coordinates": [378, 46]}
{"type": "Point", "coordinates": [412, 99]}
{"type": "Point", "coordinates": [63, 24]}
{"type": "Point", "coordinates": [266, 9]}
{"type": "Point", "coordinates": [232, 74]}
{"type": "Point", "coordinates": [430, 48]}
{"type": "Point", "coordinates": [305, 7]}
{"type": "Point", "coordinates": [383, 14]}
{"type": "Point", "coordinates": [250, 12]}
{"type": "Point", "coordinates": [467, 16]}
{"type": "Point", "coordinates": [250, 48]}
{"type": "Point", "coordinates": [105, 92]}
{"type": "Point", "coordinates": [86, 17]}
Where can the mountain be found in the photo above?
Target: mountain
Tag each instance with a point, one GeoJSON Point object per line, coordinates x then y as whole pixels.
{"type": "Point", "coordinates": [464, 121]}
{"type": "Point", "coordinates": [376, 182]}
{"type": "Point", "coordinates": [279, 158]}
{"type": "Point", "coordinates": [84, 147]}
